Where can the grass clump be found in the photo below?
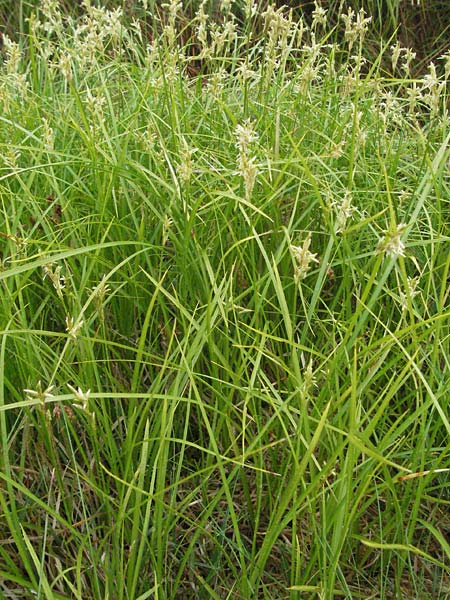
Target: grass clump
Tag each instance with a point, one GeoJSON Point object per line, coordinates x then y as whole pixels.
{"type": "Point", "coordinates": [225, 327]}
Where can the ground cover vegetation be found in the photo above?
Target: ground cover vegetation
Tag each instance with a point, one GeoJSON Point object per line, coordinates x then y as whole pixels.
{"type": "Point", "coordinates": [224, 308]}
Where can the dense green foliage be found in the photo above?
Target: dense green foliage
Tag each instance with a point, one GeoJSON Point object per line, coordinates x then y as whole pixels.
{"type": "Point", "coordinates": [224, 309]}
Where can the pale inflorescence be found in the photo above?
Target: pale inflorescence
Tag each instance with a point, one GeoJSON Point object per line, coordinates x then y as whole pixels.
{"type": "Point", "coordinates": [355, 30]}
{"type": "Point", "coordinates": [41, 394]}
{"type": "Point", "coordinates": [319, 16]}
{"type": "Point", "coordinates": [309, 381]}
{"type": "Point", "coordinates": [280, 29]}
{"type": "Point", "coordinates": [391, 244]}
{"type": "Point", "coordinates": [410, 293]}
{"type": "Point", "coordinates": [251, 8]}
{"type": "Point", "coordinates": [185, 167]}
{"type": "Point", "coordinates": [246, 136]}
{"type": "Point", "coordinates": [81, 398]}
{"type": "Point", "coordinates": [249, 171]}
{"type": "Point", "coordinates": [64, 65]}
{"type": "Point", "coordinates": [344, 211]}
{"type": "Point", "coordinates": [47, 135]}
{"type": "Point", "coordinates": [73, 327]}
{"type": "Point", "coordinates": [99, 293]}
{"type": "Point", "coordinates": [53, 18]}
{"type": "Point", "coordinates": [11, 158]}
{"type": "Point", "coordinates": [100, 32]}
{"type": "Point", "coordinates": [304, 259]}
{"type": "Point", "coordinates": [13, 55]}
{"type": "Point", "coordinates": [446, 58]}
{"type": "Point", "coordinates": [56, 277]}
{"type": "Point", "coordinates": [432, 90]}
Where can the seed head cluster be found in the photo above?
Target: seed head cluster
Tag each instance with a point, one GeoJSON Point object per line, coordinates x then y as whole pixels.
{"type": "Point", "coordinates": [304, 259]}
{"type": "Point", "coordinates": [391, 244]}
{"type": "Point", "coordinates": [246, 137]}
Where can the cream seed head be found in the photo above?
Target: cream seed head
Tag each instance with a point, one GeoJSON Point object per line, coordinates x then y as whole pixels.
{"type": "Point", "coordinates": [248, 171]}
{"type": "Point", "coordinates": [430, 80]}
{"type": "Point", "coordinates": [446, 58]}
{"type": "Point", "coordinates": [148, 139]}
{"type": "Point", "coordinates": [99, 293]}
{"type": "Point", "coordinates": [225, 6]}
{"type": "Point", "coordinates": [87, 43]}
{"type": "Point", "coordinates": [173, 8]}
{"type": "Point", "coordinates": [73, 327]}
{"type": "Point", "coordinates": [245, 73]}
{"type": "Point", "coordinates": [344, 211]}
{"type": "Point", "coordinates": [303, 258]}
{"type": "Point", "coordinates": [220, 36]}
{"type": "Point", "coordinates": [432, 89]}
{"type": "Point", "coordinates": [391, 244]}
{"type": "Point", "coordinates": [414, 96]}
{"type": "Point", "coordinates": [53, 18]}
{"type": "Point", "coordinates": [251, 9]}
{"type": "Point", "coordinates": [396, 50]}
{"type": "Point", "coordinates": [39, 393]}
{"type": "Point", "coordinates": [95, 103]}
{"type": "Point", "coordinates": [319, 16]}
{"type": "Point", "coordinates": [11, 159]}
{"type": "Point", "coordinates": [185, 168]}
{"type": "Point", "coordinates": [308, 74]}
{"type": "Point", "coordinates": [47, 135]}
{"type": "Point", "coordinates": [217, 82]}
{"type": "Point", "coordinates": [301, 29]}
{"type": "Point", "coordinates": [309, 380]}
{"type": "Point", "coordinates": [246, 135]}
{"type": "Point", "coordinates": [64, 65]}
{"type": "Point", "coordinates": [54, 274]}
{"type": "Point", "coordinates": [112, 23]}
{"type": "Point", "coordinates": [408, 58]}
{"type": "Point", "coordinates": [279, 27]}
{"type": "Point", "coordinates": [81, 398]}
{"type": "Point", "coordinates": [202, 18]}
{"type": "Point", "coordinates": [355, 30]}
{"type": "Point", "coordinates": [13, 55]}
{"type": "Point", "coordinates": [410, 293]}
